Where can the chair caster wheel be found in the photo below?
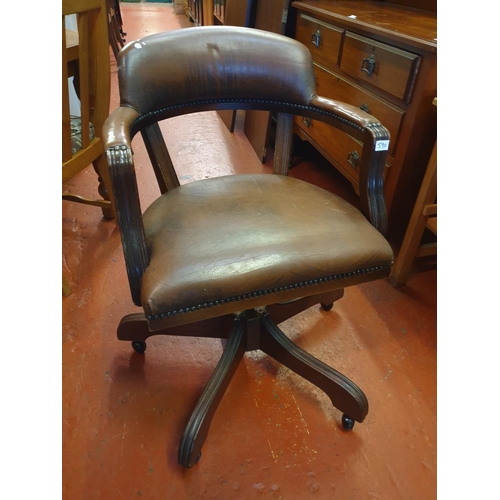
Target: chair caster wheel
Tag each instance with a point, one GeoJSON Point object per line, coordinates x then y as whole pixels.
{"type": "Point", "coordinates": [326, 307]}
{"type": "Point", "coordinates": [347, 422]}
{"type": "Point", "coordinates": [139, 346]}
{"type": "Point", "coordinates": [195, 462]}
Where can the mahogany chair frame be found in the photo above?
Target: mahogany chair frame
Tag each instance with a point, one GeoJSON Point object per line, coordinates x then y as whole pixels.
{"type": "Point", "coordinates": [249, 321]}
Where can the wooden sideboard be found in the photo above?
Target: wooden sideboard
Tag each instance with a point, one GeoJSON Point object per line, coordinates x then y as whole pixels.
{"type": "Point", "coordinates": [381, 57]}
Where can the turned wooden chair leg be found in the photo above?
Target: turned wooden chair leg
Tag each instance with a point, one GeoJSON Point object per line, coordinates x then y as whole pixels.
{"type": "Point", "coordinates": [197, 428]}
{"type": "Point", "coordinates": [344, 394]}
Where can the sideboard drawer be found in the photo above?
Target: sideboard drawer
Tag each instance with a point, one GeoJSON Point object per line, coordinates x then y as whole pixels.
{"type": "Point", "coordinates": [389, 68]}
{"type": "Point", "coordinates": [333, 86]}
{"type": "Point", "coordinates": [343, 150]}
{"type": "Point", "coordinates": [322, 39]}
{"type": "Point", "coordinates": [396, 46]}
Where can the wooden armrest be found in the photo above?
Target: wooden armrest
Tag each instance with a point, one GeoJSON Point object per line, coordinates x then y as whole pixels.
{"type": "Point", "coordinates": [117, 127]}
{"type": "Point", "coordinates": [117, 143]}
{"type": "Point", "coordinates": [375, 138]}
{"type": "Point", "coordinates": [349, 118]}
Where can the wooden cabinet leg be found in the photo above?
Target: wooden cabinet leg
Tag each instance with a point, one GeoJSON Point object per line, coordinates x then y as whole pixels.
{"type": "Point", "coordinates": [416, 226]}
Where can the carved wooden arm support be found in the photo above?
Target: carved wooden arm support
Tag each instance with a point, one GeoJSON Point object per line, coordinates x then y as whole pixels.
{"type": "Point", "coordinates": [116, 133]}
{"type": "Point", "coordinates": [375, 139]}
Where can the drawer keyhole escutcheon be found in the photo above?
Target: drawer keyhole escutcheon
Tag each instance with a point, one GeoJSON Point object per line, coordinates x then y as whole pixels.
{"type": "Point", "coordinates": [353, 159]}
{"type": "Point", "coordinates": [368, 64]}
{"type": "Point", "coordinates": [306, 122]}
{"type": "Point", "coordinates": [316, 38]}
{"type": "Point", "coordinates": [365, 107]}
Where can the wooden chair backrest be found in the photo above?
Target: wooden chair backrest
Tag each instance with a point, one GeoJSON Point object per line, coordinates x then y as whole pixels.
{"type": "Point", "coordinates": [90, 61]}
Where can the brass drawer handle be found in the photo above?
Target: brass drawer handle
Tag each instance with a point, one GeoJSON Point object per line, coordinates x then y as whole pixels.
{"type": "Point", "coordinates": [306, 122]}
{"type": "Point", "coordinates": [368, 64]}
{"type": "Point", "coordinates": [365, 107]}
{"type": "Point", "coordinates": [316, 38]}
{"type": "Point", "coordinates": [353, 159]}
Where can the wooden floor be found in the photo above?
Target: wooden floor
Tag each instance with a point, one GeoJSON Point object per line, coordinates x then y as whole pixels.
{"type": "Point", "coordinates": [274, 435]}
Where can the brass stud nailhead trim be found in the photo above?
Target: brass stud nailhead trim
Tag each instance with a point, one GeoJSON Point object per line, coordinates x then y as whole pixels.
{"type": "Point", "coordinates": [255, 101]}
{"type": "Point", "coordinates": [259, 293]}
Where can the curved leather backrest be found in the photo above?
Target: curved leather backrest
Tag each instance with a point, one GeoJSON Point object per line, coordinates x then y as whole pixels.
{"type": "Point", "coordinates": [214, 62]}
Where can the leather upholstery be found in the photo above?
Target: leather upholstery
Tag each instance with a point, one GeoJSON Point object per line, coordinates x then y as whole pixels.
{"type": "Point", "coordinates": [204, 68]}
{"type": "Point", "coordinates": [221, 62]}
{"type": "Point", "coordinates": [241, 252]}
{"type": "Point", "coordinates": [219, 239]}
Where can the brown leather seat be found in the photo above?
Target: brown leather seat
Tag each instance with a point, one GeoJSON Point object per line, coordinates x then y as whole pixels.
{"type": "Point", "coordinates": [232, 256]}
{"type": "Point", "coordinates": [215, 241]}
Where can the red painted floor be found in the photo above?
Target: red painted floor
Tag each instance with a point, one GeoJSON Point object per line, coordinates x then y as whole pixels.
{"type": "Point", "coordinates": [274, 435]}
